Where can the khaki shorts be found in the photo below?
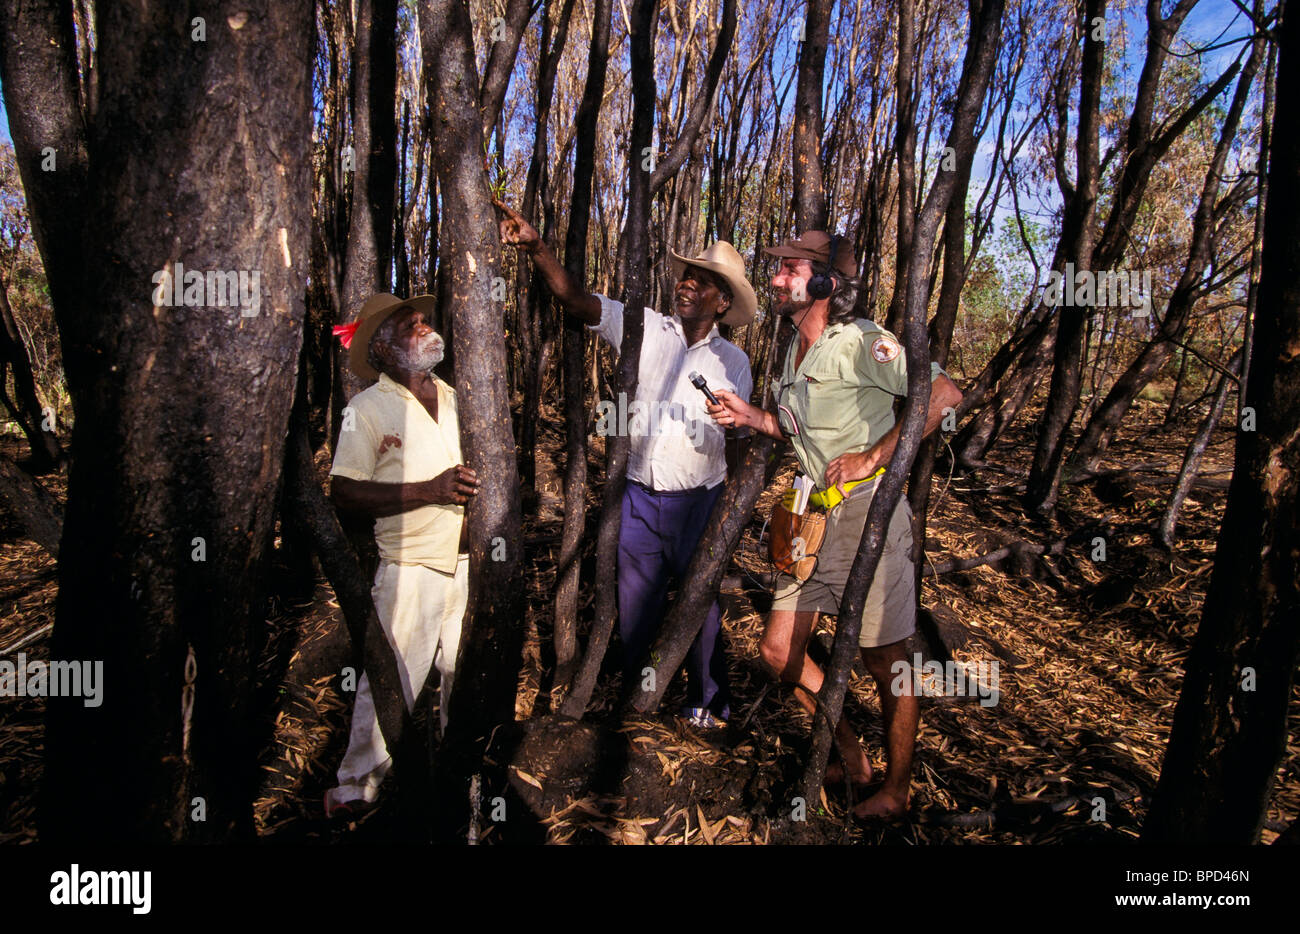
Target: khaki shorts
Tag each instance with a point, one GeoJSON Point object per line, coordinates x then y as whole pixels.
{"type": "Point", "coordinates": [890, 611]}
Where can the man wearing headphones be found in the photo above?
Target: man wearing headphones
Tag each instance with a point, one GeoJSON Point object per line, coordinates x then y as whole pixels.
{"type": "Point", "coordinates": [835, 406]}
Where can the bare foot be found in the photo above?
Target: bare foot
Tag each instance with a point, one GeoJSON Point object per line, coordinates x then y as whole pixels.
{"type": "Point", "coordinates": [885, 804]}
{"type": "Point", "coordinates": [835, 774]}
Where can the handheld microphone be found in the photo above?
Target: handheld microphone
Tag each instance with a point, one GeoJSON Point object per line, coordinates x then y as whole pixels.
{"type": "Point", "coordinates": [698, 382]}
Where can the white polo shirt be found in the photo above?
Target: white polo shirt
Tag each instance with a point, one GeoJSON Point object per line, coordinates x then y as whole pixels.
{"type": "Point", "coordinates": [392, 438]}
{"type": "Point", "coordinates": [675, 444]}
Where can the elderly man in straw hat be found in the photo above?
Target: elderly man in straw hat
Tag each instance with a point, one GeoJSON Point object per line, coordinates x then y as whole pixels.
{"type": "Point", "coordinates": [678, 460]}
{"type": "Point", "coordinates": [399, 461]}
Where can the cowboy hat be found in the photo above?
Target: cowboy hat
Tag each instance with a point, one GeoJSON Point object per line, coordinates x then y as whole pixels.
{"type": "Point", "coordinates": [374, 313]}
{"type": "Point", "coordinates": [721, 258]}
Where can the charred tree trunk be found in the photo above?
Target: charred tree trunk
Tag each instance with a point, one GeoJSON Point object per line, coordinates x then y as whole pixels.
{"type": "Point", "coordinates": [534, 299]}
{"type": "Point", "coordinates": [1078, 233]}
{"type": "Point", "coordinates": [1229, 728]}
{"type": "Point", "coordinates": [955, 268]}
{"type": "Point", "coordinates": [374, 147]}
{"type": "Point", "coordinates": [501, 61]}
{"type": "Point", "coordinates": [985, 20]}
{"type": "Point", "coordinates": [568, 573]}
{"type": "Point", "coordinates": [181, 414]}
{"type": "Point", "coordinates": [491, 646]}
{"type": "Point", "coordinates": [1106, 419]}
{"type": "Point", "coordinates": [636, 248]}
{"type": "Point", "coordinates": [809, 188]}
{"type": "Point", "coordinates": [38, 71]}
{"type": "Point", "coordinates": [905, 153]}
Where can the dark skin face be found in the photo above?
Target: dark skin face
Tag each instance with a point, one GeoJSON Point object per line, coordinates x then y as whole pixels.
{"type": "Point", "coordinates": [411, 332]}
{"type": "Point", "coordinates": [698, 303]}
{"type": "Point", "coordinates": [412, 335]}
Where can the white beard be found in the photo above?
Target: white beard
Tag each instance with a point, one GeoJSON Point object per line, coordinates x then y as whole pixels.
{"type": "Point", "coordinates": [427, 355]}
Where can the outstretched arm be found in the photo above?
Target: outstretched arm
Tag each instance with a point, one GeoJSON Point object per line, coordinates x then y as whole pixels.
{"type": "Point", "coordinates": [523, 236]}
{"type": "Point", "coordinates": [735, 412]}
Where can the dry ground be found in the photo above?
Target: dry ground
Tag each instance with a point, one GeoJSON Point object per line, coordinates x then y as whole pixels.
{"type": "Point", "coordinates": [1089, 655]}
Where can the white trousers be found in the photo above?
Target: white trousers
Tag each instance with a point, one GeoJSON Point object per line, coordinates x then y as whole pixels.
{"type": "Point", "coordinates": [420, 610]}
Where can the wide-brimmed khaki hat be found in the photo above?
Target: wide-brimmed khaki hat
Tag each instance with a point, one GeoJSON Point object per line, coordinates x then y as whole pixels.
{"type": "Point", "coordinates": [722, 258]}
{"type": "Point", "coordinates": [373, 313]}
{"type": "Point", "coordinates": [815, 246]}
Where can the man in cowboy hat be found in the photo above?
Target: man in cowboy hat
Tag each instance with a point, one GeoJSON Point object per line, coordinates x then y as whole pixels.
{"type": "Point", "coordinates": [835, 407]}
{"type": "Point", "coordinates": [399, 461]}
{"type": "Point", "coordinates": [678, 460]}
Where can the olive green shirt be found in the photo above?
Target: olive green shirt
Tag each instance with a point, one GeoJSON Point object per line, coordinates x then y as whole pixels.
{"type": "Point", "coordinates": [840, 399]}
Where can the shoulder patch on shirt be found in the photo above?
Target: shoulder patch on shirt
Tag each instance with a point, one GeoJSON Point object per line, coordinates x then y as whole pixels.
{"type": "Point", "coordinates": [884, 349]}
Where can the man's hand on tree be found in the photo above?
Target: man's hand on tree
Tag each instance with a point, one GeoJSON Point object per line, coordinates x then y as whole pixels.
{"type": "Point", "coordinates": [453, 487]}
{"type": "Point", "coordinates": [516, 231]}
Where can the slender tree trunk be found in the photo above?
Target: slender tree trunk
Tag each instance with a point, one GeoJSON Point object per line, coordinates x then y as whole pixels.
{"type": "Point", "coordinates": [374, 145]}
{"type": "Point", "coordinates": [809, 188]}
{"type": "Point", "coordinates": [534, 299]}
{"type": "Point", "coordinates": [941, 326]}
{"type": "Point", "coordinates": [491, 646]}
{"type": "Point", "coordinates": [501, 61]}
{"type": "Point", "coordinates": [636, 248]}
{"type": "Point", "coordinates": [568, 573]}
{"type": "Point", "coordinates": [1229, 730]}
{"type": "Point", "coordinates": [38, 72]}
{"type": "Point", "coordinates": [1195, 451]}
{"type": "Point", "coordinates": [905, 152]}
{"type": "Point", "coordinates": [1101, 428]}
{"type": "Point", "coordinates": [985, 19]}
{"type": "Point", "coordinates": [1078, 233]}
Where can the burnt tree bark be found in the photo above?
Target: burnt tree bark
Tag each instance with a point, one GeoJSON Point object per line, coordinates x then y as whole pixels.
{"type": "Point", "coordinates": [38, 70]}
{"type": "Point", "coordinates": [374, 177]}
{"type": "Point", "coordinates": [645, 181]}
{"type": "Point", "coordinates": [1229, 728]}
{"type": "Point", "coordinates": [491, 646]}
{"type": "Point", "coordinates": [533, 300]}
{"type": "Point", "coordinates": [501, 61]}
{"type": "Point", "coordinates": [1078, 234]}
{"type": "Point", "coordinates": [181, 408]}
{"type": "Point", "coordinates": [985, 19]}
{"type": "Point", "coordinates": [574, 356]}
{"type": "Point", "coordinates": [1099, 431]}
{"type": "Point", "coordinates": [809, 188]}
{"type": "Point", "coordinates": [905, 156]}
{"type": "Point", "coordinates": [636, 251]}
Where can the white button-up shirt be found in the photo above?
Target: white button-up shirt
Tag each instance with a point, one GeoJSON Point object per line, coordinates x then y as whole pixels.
{"type": "Point", "coordinates": [675, 444]}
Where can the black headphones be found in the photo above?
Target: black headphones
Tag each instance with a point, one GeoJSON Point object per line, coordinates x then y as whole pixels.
{"type": "Point", "coordinates": [822, 284]}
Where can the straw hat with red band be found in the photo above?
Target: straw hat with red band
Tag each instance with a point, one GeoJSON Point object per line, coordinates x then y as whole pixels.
{"type": "Point", "coordinates": [815, 246]}
{"type": "Point", "coordinates": [722, 259]}
{"type": "Point", "coordinates": [355, 337]}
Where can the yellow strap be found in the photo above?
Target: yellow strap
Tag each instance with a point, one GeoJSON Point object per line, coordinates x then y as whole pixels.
{"type": "Point", "coordinates": [833, 497]}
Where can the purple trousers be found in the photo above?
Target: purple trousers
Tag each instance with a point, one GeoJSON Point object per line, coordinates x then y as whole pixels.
{"type": "Point", "coordinates": [658, 537]}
